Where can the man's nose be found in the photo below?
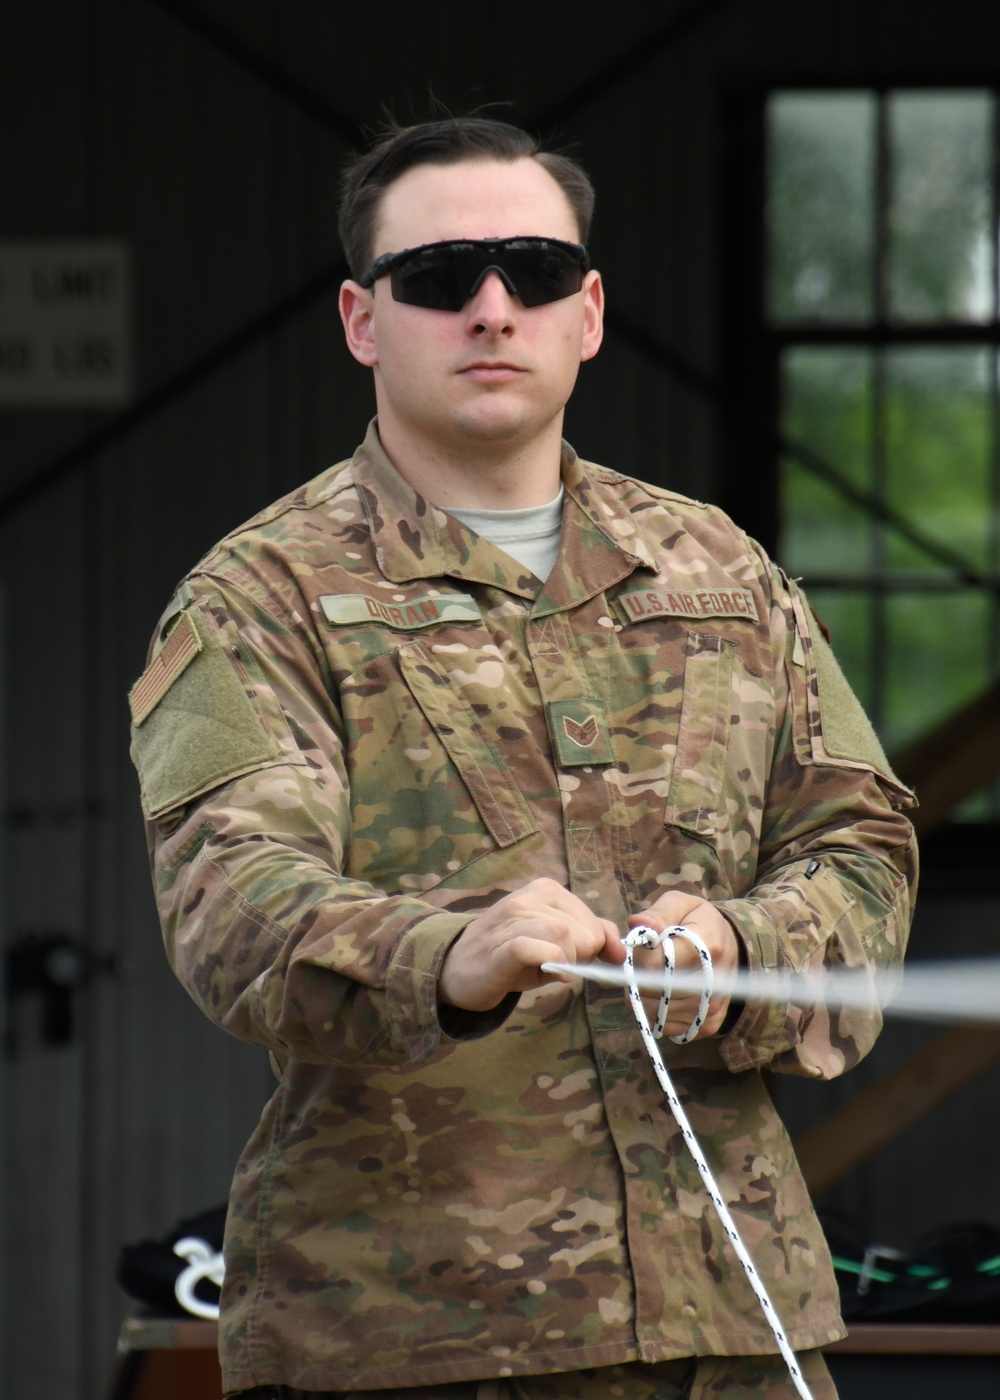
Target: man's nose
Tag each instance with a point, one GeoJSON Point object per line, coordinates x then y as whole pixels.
{"type": "Point", "coordinates": [492, 308]}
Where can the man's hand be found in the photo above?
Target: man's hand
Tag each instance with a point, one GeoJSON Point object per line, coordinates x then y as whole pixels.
{"type": "Point", "coordinates": [721, 940]}
{"type": "Point", "coordinates": [502, 949]}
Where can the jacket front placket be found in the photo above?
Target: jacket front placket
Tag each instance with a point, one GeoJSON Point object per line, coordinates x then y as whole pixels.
{"type": "Point", "coordinates": [572, 636]}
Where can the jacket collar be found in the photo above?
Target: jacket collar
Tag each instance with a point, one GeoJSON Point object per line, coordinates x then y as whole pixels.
{"type": "Point", "coordinates": [414, 539]}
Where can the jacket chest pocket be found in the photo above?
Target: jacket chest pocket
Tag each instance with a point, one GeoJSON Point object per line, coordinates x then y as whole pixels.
{"type": "Point", "coordinates": [724, 737]}
{"type": "Point", "coordinates": [697, 779]}
{"type": "Point", "coordinates": [502, 807]}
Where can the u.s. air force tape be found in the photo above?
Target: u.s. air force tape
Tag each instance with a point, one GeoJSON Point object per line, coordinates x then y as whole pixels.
{"type": "Point", "coordinates": [639, 604]}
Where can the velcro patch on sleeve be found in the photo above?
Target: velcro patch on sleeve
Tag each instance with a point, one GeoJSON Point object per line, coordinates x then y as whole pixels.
{"type": "Point", "coordinates": [847, 730]}
{"type": "Point", "coordinates": [426, 610]}
{"type": "Point", "coordinates": [640, 604]}
{"type": "Point", "coordinates": [177, 653]}
{"type": "Point", "coordinates": [202, 731]}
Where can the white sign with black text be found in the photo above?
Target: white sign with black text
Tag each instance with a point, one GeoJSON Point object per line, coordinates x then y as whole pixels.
{"type": "Point", "coordinates": [65, 322]}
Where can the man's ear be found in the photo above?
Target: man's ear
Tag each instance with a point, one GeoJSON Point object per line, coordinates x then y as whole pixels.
{"type": "Point", "coordinates": [357, 309]}
{"type": "Point", "coordinates": [593, 315]}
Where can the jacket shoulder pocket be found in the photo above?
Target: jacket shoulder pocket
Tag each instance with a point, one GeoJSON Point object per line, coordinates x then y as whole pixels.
{"type": "Point", "coordinates": [695, 794]}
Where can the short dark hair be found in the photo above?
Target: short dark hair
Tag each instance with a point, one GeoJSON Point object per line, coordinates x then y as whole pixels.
{"type": "Point", "coordinates": [444, 142]}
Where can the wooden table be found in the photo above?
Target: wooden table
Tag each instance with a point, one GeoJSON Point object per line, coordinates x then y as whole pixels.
{"type": "Point", "coordinates": [907, 1339]}
{"type": "Point", "coordinates": [165, 1358]}
{"type": "Point", "coordinates": [913, 1361]}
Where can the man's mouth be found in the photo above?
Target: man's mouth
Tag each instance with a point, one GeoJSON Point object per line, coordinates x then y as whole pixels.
{"type": "Point", "coordinates": [492, 372]}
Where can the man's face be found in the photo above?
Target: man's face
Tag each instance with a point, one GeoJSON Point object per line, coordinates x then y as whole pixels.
{"type": "Point", "coordinates": [496, 375]}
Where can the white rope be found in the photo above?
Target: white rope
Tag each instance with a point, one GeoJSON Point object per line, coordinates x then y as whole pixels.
{"type": "Point", "coordinates": [664, 942]}
{"type": "Point", "coordinates": [643, 936]}
{"type": "Point", "coordinates": [203, 1262]}
{"type": "Point", "coordinates": [965, 989]}
{"type": "Point", "coordinates": [708, 983]}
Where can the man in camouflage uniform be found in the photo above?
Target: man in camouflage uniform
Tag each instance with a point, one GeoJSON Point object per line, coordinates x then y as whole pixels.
{"type": "Point", "coordinates": [391, 767]}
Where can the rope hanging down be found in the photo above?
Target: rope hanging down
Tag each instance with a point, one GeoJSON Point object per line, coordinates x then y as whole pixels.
{"type": "Point", "coordinates": [643, 936]}
{"type": "Point", "coordinates": [961, 990]}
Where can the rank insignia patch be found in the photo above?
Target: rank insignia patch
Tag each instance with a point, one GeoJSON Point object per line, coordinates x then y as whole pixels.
{"type": "Point", "coordinates": [579, 732]}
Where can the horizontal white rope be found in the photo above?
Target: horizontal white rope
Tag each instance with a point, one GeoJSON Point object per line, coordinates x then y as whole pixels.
{"type": "Point", "coordinates": [961, 989]}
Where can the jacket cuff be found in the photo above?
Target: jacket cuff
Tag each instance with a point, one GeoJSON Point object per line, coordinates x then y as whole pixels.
{"type": "Point", "coordinates": [458, 1024]}
{"type": "Point", "coordinates": [411, 984]}
{"type": "Point", "coordinates": [760, 1031]}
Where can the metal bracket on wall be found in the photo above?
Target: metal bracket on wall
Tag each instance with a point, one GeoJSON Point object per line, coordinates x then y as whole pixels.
{"type": "Point", "coordinates": [52, 966]}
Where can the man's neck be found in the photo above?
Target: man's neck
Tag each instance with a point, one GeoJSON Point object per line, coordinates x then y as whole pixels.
{"type": "Point", "coordinates": [483, 476]}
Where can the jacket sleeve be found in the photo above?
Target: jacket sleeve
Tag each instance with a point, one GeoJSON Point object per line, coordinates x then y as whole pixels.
{"type": "Point", "coordinates": [837, 869]}
{"type": "Point", "coordinates": [239, 749]}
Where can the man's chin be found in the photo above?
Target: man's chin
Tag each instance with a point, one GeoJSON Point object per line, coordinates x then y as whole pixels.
{"type": "Point", "coordinates": [501, 427]}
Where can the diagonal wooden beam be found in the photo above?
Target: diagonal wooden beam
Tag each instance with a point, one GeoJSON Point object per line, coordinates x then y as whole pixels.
{"type": "Point", "coordinates": [173, 388]}
{"type": "Point", "coordinates": [900, 1100]}
{"type": "Point", "coordinates": [312, 104]}
{"type": "Point", "coordinates": [649, 345]}
{"type": "Point", "coordinates": [954, 760]}
{"type": "Point", "coordinates": [649, 47]}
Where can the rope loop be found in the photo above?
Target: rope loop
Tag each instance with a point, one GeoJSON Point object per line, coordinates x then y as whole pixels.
{"type": "Point", "coordinates": [644, 936]}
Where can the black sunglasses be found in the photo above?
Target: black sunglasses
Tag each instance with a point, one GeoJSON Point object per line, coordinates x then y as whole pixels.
{"type": "Point", "coordinates": [444, 276]}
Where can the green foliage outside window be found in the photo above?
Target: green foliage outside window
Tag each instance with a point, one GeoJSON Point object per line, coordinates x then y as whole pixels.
{"type": "Point", "coordinates": [880, 290]}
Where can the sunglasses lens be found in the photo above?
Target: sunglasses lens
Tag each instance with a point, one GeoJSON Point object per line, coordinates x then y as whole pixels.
{"type": "Point", "coordinates": [438, 279]}
{"type": "Point", "coordinates": [543, 273]}
{"type": "Point", "coordinates": [444, 278]}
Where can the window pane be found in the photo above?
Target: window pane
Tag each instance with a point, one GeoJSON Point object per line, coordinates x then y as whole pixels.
{"type": "Point", "coordinates": [820, 206]}
{"type": "Point", "coordinates": [940, 248]}
{"type": "Point", "coordinates": [938, 449]}
{"type": "Point", "coordinates": [936, 659]}
{"type": "Point", "coordinates": [826, 406]}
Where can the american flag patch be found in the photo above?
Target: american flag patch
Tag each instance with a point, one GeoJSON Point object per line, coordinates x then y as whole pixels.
{"type": "Point", "coordinates": [179, 650]}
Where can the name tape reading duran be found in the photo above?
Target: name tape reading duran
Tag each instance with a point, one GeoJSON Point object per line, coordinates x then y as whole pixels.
{"type": "Point", "coordinates": [642, 603]}
{"type": "Point", "coordinates": [344, 609]}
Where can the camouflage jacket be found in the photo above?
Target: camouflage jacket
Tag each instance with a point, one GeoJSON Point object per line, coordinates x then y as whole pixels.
{"type": "Point", "coordinates": [361, 723]}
